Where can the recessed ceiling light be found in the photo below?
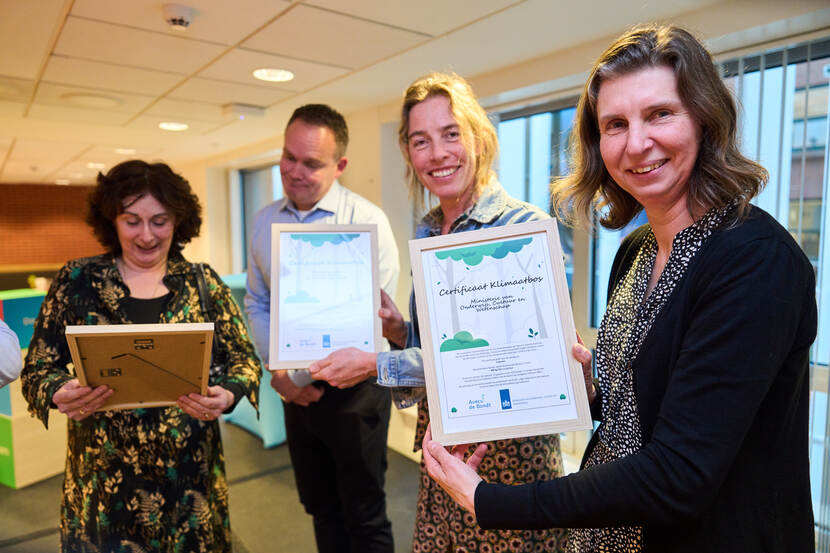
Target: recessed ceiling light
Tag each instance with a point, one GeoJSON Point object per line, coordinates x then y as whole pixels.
{"type": "Point", "coordinates": [125, 151]}
{"type": "Point", "coordinates": [94, 165]}
{"type": "Point", "coordinates": [63, 181]}
{"type": "Point", "coordinates": [84, 99]}
{"type": "Point", "coordinates": [173, 126]}
{"type": "Point", "coordinates": [273, 75]}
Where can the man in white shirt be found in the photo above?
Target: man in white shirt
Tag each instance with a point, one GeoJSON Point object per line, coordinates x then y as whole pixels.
{"type": "Point", "coordinates": [10, 360]}
{"type": "Point", "coordinates": [336, 437]}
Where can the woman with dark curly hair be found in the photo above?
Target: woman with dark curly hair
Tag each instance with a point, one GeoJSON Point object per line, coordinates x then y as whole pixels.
{"type": "Point", "coordinates": [141, 479]}
{"type": "Point", "coordinates": [703, 352]}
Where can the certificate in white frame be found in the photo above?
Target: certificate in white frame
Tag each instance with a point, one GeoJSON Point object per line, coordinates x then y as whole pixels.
{"type": "Point", "coordinates": [497, 329]}
{"type": "Point", "coordinates": [147, 365]}
{"type": "Point", "coordinates": [325, 292]}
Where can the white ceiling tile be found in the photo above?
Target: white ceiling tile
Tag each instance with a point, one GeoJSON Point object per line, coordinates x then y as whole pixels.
{"type": "Point", "coordinates": [25, 30]}
{"type": "Point", "coordinates": [337, 39]}
{"type": "Point", "coordinates": [27, 149]}
{"type": "Point", "coordinates": [223, 92]}
{"type": "Point", "coordinates": [83, 116]}
{"type": "Point", "coordinates": [12, 109]}
{"type": "Point", "coordinates": [214, 21]}
{"type": "Point", "coordinates": [239, 64]}
{"type": "Point", "coordinates": [94, 40]}
{"type": "Point", "coordinates": [432, 17]}
{"type": "Point", "coordinates": [23, 173]}
{"type": "Point", "coordinates": [151, 122]}
{"type": "Point", "coordinates": [16, 90]}
{"type": "Point", "coordinates": [108, 76]}
{"type": "Point", "coordinates": [180, 109]}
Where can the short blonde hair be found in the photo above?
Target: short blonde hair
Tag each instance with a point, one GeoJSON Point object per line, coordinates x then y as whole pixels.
{"type": "Point", "coordinates": [477, 132]}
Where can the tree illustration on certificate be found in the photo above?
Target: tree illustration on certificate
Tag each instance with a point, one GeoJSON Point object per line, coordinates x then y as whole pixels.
{"type": "Point", "coordinates": [494, 321]}
{"type": "Point", "coordinates": [325, 293]}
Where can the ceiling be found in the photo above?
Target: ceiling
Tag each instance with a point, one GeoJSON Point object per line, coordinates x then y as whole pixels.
{"type": "Point", "coordinates": [84, 84]}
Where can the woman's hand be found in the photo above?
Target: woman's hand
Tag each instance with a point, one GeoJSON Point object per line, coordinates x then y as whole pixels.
{"type": "Point", "coordinates": [583, 356]}
{"type": "Point", "coordinates": [459, 479]}
{"type": "Point", "coordinates": [208, 407]}
{"type": "Point", "coordinates": [394, 329]}
{"type": "Point", "coordinates": [78, 402]}
{"type": "Point", "coordinates": [345, 367]}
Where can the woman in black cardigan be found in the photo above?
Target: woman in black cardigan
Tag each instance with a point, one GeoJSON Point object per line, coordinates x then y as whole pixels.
{"type": "Point", "coordinates": [702, 354]}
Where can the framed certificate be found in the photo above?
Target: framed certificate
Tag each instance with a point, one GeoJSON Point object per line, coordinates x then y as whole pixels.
{"type": "Point", "coordinates": [496, 333]}
{"type": "Point", "coordinates": [148, 365]}
{"type": "Point", "coordinates": [325, 293]}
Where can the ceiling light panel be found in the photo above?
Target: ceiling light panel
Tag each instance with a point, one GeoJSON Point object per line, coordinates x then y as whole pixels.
{"type": "Point", "coordinates": [239, 64]}
{"type": "Point", "coordinates": [423, 20]}
{"type": "Point", "coordinates": [72, 97]}
{"type": "Point", "coordinates": [335, 40]}
{"type": "Point", "coordinates": [25, 30]}
{"type": "Point", "coordinates": [108, 76]}
{"type": "Point", "coordinates": [87, 117]}
{"type": "Point", "coordinates": [151, 123]}
{"type": "Point", "coordinates": [223, 92]}
{"type": "Point", "coordinates": [217, 21]}
{"type": "Point", "coordinates": [83, 38]}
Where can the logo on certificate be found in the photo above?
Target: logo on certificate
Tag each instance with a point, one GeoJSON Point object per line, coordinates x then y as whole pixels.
{"type": "Point", "coordinates": [326, 340]}
{"type": "Point", "coordinates": [505, 399]}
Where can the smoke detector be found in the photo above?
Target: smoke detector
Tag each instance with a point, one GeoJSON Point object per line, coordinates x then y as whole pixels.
{"type": "Point", "coordinates": [178, 16]}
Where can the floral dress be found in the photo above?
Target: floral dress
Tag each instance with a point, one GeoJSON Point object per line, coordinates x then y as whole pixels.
{"type": "Point", "coordinates": [149, 479]}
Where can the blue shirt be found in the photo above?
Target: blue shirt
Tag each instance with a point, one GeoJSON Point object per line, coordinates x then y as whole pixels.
{"type": "Point", "coordinates": [340, 206]}
{"type": "Point", "coordinates": [403, 369]}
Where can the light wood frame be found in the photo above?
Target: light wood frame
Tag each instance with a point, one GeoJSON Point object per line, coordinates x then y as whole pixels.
{"type": "Point", "coordinates": [275, 363]}
{"type": "Point", "coordinates": [172, 360]}
{"type": "Point", "coordinates": [559, 291]}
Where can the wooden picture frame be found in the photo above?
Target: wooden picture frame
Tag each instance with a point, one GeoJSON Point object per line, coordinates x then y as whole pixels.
{"type": "Point", "coordinates": [497, 329]}
{"type": "Point", "coordinates": [148, 365]}
{"type": "Point", "coordinates": [325, 292]}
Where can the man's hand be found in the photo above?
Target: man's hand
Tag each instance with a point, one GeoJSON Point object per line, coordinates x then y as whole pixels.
{"type": "Point", "coordinates": [291, 393]}
{"type": "Point", "coordinates": [345, 367]}
{"type": "Point", "coordinates": [394, 329]}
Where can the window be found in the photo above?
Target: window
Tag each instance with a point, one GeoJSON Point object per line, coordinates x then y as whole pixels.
{"type": "Point", "coordinates": [533, 146]}
{"type": "Point", "coordinates": [258, 188]}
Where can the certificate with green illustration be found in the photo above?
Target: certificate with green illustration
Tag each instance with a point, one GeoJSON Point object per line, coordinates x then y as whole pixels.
{"type": "Point", "coordinates": [496, 331]}
{"type": "Point", "coordinates": [324, 292]}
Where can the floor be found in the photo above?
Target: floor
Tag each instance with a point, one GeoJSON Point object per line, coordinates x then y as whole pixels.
{"type": "Point", "coordinates": [265, 513]}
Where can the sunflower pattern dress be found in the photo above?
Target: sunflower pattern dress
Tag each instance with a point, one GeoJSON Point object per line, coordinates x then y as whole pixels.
{"type": "Point", "coordinates": [139, 480]}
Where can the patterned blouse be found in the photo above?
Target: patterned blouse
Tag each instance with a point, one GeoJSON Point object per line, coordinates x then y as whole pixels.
{"type": "Point", "coordinates": [627, 321]}
{"type": "Point", "coordinates": [142, 479]}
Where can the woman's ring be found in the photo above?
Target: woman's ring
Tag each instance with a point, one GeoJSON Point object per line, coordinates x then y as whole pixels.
{"type": "Point", "coordinates": [81, 411]}
{"type": "Point", "coordinates": [207, 416]}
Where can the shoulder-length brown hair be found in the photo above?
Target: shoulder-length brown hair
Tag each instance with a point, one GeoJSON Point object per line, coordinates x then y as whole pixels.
{"type": "Point", "coordinates": [720, 174]}
{"type": "Point", "coordinates": [135, 178]}
{"type": "Point", "coordinates": [477, 132]}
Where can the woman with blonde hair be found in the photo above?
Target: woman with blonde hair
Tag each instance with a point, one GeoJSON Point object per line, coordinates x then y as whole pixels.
{"type": "Point", "coordinates": [449, 146]}
{"type": "Point", "coordinates": [703, 352]}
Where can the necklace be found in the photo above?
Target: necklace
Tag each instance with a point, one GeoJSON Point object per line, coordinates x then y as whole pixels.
{"type": "Point", "coordinates": [122, 268]}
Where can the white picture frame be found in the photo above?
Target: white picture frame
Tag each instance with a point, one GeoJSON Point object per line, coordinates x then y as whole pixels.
{"type": "Point", "coordinates": [325, 292]}
{"type": "Point", "coordinates": [496, 329]}
{"type": "Point", "coordinates": [147, 365]}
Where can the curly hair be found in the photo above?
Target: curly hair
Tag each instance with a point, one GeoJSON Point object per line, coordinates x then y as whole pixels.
{"type": "Point", "coordinates": [477, 132]}
{"type": "Point", "coordinates": [132, 180]}
{"type": "Point", "coordinates": [720, 174]}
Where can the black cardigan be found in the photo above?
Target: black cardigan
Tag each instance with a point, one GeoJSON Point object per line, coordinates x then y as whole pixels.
{"type": "Point", "coordinates": [721, 382]}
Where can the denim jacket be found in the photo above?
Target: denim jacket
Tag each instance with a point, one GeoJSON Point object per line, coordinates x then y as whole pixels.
{"type": "Point", "coordinates": [403, 369]}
